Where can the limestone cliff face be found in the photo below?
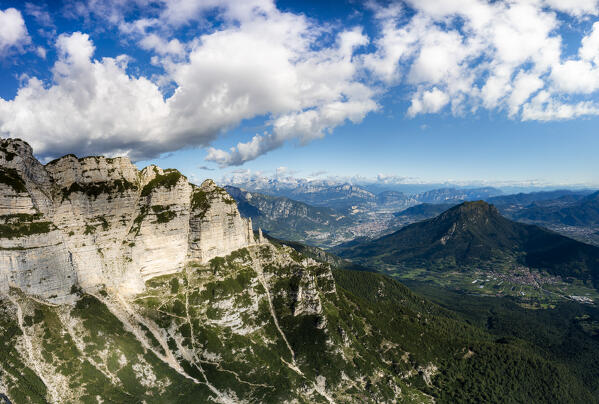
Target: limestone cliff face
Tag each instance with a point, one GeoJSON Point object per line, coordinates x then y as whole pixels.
{"type": "Point", "coordinates": [99, 221]}
{"type": "Point", "coordinates": [216, 228]}
{"type": "Point", "coordinates": [39, 264]}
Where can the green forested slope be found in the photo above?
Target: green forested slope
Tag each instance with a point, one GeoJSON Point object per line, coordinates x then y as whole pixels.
{"type": "Point", "coordinates": [475, 364]}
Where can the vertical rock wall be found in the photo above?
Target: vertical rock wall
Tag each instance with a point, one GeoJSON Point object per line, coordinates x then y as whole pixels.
{"type": "Point", "coordinates": [99, 221]}
{"type": "Point", "coordinates": [37, 264]}
{"type": "Point", "coordinates": [216, 228]}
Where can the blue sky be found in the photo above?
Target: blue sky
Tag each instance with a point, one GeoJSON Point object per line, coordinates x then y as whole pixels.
{"type": "Point", "coordinates": [468, 91]}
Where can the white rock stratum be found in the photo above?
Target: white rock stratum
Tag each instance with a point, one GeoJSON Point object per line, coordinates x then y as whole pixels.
{"type": "Point", "coordinates": [86, 222]}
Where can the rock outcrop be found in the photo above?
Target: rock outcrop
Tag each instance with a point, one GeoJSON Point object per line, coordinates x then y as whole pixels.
{"type": "Point", "coordinates": [100, 221]}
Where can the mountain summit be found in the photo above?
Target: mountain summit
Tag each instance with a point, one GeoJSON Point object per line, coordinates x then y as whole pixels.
{"type": "Point", "coordinates": [475, 213]}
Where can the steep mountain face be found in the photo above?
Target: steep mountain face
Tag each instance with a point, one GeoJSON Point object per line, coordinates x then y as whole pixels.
{"type": "Point", "coordinates": [285, 218]}
{"type": "Point", "coordinates": [98, 220]}
{"type": "Point", "coordinates": [393, 200]}
{"type": "Point", "coordinates": [338, 196]}
{"type": "Point", "coordinates": [295, 214]}
{"type": "Point", "coordinates": [443, 195]}
{"type": "Point", "coordinates": [474, 233]}
{"type": "Point", "coordinates": [316, 193]}
{"type": "Point", "coordinates": [325, 227]}
{"type": "Point", "coordinates": [391, 197]}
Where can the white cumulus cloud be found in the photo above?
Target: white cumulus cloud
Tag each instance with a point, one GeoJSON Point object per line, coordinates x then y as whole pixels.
{"type": "Point", "coordinates": [576, 8]}
{"type": "Point", "coordinates": [93, 106]}
{"type": "Point", "coordinates": [428, 102]}
{"type": "Point", "coordinates": [13, 32]}
{"type": "Point", "coordinates": [306, 91]}
{"type": "Point", "coordinates": [492, 54]}
{"type": "Point", "coordinates": [268, 64]}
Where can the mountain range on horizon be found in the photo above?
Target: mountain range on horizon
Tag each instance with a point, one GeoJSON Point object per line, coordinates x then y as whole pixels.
{"type": "Point", "coordinates": [354, 212]}
{"type": "Point", "coordinates": [569, 211]}
{"type": "Point", "coordinates": [340, 192]}
{"type": "Point", "coordinates": [278, 184]}
{"type": "Point", "coordinates": [342, 195]}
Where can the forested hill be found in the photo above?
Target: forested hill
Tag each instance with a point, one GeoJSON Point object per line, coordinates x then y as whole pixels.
{"type": "Point", "coordinates": [475, 233]}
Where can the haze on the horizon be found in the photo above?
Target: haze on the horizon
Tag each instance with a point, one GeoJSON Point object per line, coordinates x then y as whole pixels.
{"type": "Point", "coordinates": [469, 92]}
